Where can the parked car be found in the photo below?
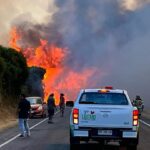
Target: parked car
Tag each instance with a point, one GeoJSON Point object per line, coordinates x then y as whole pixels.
{"type": "Point", "coordinates": [38, 107]}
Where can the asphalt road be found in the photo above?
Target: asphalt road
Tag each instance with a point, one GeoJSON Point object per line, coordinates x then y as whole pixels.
{"type": "Point", "coordinates": [56, 137]}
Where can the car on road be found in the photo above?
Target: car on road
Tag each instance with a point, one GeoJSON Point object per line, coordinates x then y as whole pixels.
{"type": "Point", "coordinates": [104, 115]}
{"type": "Point", "coordinates": [38, 107]}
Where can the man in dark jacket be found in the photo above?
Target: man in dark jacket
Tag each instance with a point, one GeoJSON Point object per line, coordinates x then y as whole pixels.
{"type": "Point", "coordinates": [23, 115]}
{"type": "Point", "coordinates": [51, 107]}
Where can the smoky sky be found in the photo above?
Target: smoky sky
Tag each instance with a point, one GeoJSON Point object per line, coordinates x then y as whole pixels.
{"type": "Point", "coordinates": [98, 34]}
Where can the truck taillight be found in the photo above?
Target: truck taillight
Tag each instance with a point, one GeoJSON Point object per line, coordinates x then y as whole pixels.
{"type": "Point", "coordinates": [135, 117]}
{"type": "Point", "coordinates": [75, 116]}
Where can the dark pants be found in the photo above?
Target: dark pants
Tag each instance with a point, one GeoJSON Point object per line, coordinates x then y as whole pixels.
{"type": "Point", "coordinates": [62, 108]}
{"type": "Point", "coordinates": [50, 113]}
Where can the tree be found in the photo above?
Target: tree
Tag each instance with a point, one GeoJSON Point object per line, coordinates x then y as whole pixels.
{"type": "Point", "coordinates": [13, 71]}
{"type": "Point", "coordinates": [34, 85]}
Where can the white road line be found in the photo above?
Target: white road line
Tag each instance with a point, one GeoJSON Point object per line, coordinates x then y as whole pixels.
{"type": "Point", "coordinates": [12, 139]}
{"type": "Point", "coordinates": [144, 123]}
{"type": "Point", "coordinates": [5, 143]}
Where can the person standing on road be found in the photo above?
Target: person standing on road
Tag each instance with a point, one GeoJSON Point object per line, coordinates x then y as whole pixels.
{"type": "Point", "coordinates": [138, 102]}
{"type": "Point", "coordinates": [62, 104]}
{"type": "Point", "coordinates": [23, 115]}
{"type": "Point", "coordinates": [51, 107]}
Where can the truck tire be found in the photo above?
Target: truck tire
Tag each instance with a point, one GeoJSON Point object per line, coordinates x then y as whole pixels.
{"type": "Point", "coordinates": [132, 147]}
{"type": "Point", "coordinates": [133, 144]}
{"type": "Point", "coordinates": [101, 143]}
{"type": "Point", "coordinates": [74, 143]}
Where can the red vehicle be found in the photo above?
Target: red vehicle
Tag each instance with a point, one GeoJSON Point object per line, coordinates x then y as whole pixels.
{"type": "Point", "coordinates": [38, 107]}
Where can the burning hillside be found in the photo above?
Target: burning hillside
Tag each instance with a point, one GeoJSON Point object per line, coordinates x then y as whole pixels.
{"type": "Point", "coordinates": [59, 77]}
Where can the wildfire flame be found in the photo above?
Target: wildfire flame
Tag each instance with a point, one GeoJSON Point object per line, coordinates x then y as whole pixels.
{"type": "Point", "coordinates": [14, 38]}
{"type": "Point", "coordinates": [51, 58]}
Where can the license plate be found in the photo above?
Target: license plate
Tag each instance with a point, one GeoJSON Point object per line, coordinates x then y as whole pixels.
{"type": "Point", "coordinates": [104, 132]}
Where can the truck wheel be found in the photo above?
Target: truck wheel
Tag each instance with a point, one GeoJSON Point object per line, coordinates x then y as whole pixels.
{"type": "Point", "coordinates": [133, 144]}
{"type": "Point", "coordinates": [132, 147]}
{"type": "Point", "coordinates": [101, 143]}
{"type": "Point", "coordinates": [135, 141]}
{"type": "Point", "coordinates": [74, 143]}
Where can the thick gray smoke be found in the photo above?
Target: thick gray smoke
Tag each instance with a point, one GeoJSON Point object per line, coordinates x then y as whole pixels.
{"type": "Point", "coordinates": [34, 82]}
{"type": "Point", "coordinates": [102, 35]}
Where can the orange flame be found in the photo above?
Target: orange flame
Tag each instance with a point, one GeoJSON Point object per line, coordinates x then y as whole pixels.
{"type": "Point", "coordinates": [57, 78]}
{"type": "Point", "coordinates": [15, 37]}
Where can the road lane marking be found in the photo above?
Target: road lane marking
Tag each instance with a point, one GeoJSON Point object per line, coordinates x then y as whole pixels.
{"type": "Point", "coordinates": [5, 143]}
{"type": "Point", "coordinates": [12, 139]}
{"type": "Point", "coordinates": [144, 123]}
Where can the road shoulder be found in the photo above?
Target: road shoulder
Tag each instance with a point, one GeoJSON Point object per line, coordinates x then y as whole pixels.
{"type": "Point", "coordinates": [7, 123]}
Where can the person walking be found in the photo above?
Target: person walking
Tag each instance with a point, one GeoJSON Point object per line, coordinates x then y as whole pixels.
{"type": "Point", "coordinates": [62, 104]}
{"type": "Point", "coordinates": [23, 115]}
{"type": "Point", "coordinates": [51, 107]}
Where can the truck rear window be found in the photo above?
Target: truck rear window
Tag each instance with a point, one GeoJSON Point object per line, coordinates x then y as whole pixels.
{"type": "Point", "coordinates": [103, 98]}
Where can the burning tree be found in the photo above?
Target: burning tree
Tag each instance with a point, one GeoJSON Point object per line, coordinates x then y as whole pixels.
{"type": "Point", "coordinates": [59, 76]}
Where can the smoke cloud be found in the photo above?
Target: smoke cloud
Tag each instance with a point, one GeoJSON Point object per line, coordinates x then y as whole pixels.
{"type": "Point", "coordinates": [133, 4]}
{"type": "Point", "coordinates": [110, 37]}
{"type": "Point", "coordinates": [34, 82]}
{"type": "Point", "coordinates": [14, 12]}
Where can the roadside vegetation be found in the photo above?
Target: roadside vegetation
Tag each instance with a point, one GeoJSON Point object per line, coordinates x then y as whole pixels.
{"type": "Point", "coordinates": [13, 75]}
{"type": "Point", "coordinates": [16, 78]}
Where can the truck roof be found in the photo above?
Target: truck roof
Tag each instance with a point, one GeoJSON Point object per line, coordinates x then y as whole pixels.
{"type": "Point", "coordinates": [110, 90]}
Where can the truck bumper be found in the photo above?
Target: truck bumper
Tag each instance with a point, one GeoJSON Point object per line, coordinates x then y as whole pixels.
{"type": "Point", "coordinates": [93, 134]}
{"type": "Point", "coordinates": [129, 134]}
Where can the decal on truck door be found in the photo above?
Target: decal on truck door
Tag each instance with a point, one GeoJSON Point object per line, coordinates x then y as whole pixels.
{"type": "Point", "coordinates": [89, 115]}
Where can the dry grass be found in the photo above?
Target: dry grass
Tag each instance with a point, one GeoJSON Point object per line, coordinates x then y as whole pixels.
{"type": "Point", "coordinates": [8, 117]}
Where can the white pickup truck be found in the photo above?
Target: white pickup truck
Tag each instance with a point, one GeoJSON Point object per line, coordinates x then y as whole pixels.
{"type": "Point", "coordinates": [104, 115]}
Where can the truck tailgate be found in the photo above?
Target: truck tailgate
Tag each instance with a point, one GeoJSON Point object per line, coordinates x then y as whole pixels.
{"type": "Point", "coordinates": [105, 116]}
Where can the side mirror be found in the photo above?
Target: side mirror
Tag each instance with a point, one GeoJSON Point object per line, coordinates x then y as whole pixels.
{"type": "Point", "coordinates": [70, 103]}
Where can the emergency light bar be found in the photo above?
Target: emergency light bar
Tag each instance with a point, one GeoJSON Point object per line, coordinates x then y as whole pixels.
{"type": "Point", "coordinates": [109, 87]}
{"type": "Point", "coordinates": [103, 90]}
